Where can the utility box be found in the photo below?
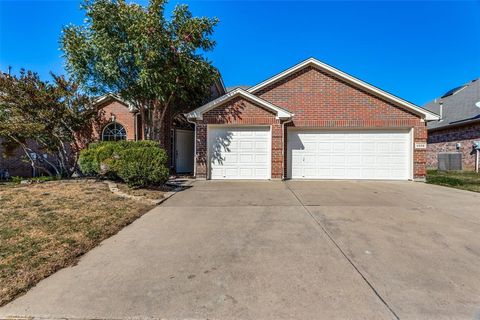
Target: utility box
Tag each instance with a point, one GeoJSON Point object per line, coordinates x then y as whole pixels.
{"type": "Point", "coordinates": [449, 161]}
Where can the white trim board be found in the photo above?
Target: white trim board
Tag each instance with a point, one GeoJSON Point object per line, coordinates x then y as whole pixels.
{"type": "Point", "coordinates": [197, 114]}
{"type": "Point", "coordinates": [427, 115]}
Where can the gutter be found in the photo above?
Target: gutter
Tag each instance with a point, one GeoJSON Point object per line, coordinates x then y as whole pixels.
{"type": "Point", "coordinates": [453, 125]}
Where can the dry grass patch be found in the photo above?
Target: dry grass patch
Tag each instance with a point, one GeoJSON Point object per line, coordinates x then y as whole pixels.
{"type": "Point", "coordinates": [47, 226]}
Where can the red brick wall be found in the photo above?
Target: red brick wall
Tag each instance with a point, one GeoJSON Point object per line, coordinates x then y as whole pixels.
{"type": "Point", "coordinates": [14, 163]}
{"type": "Point", "coordinates": [122, 115]}
{"type": "Point", "coordinates": [241, 112]}
{"type": "Point", "coordinates": [322, 101]}
{"type": "Point", "coordinates": [446, 140]}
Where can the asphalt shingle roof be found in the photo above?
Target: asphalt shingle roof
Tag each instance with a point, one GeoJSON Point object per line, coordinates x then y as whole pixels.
{"type": "Point", "coordinates": [459, 105]}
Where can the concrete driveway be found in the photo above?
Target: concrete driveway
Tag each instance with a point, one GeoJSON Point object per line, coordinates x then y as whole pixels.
{"type": "Point", "coordinates": [281, 250]}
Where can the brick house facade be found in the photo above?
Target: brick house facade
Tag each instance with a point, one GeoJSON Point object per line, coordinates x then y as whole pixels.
{"type": "Point", "coordinates": [317, 98]}
{"type": "Point", "coordinates": [458, 127]}
{"type": "Point", "coordinates": [446, 140]}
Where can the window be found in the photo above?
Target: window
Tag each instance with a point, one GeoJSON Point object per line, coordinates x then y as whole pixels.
{"type": "Point", "coordinates": [114, 132]}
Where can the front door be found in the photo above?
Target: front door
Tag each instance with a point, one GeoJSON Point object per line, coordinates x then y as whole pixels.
{"type": "Point", "coordinates": [184, 151]}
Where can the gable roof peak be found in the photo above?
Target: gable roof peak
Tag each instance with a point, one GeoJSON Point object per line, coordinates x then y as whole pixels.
{"type": "Point", "coordinates": [238, 92]}
{"type": "Point", "coordinates": [425, 114]}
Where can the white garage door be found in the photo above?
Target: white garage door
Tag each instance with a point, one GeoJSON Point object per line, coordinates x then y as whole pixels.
{"type": "Point", "coordinates": [316, 154]}
{"type": "Point", "coordinates": [239, 152]}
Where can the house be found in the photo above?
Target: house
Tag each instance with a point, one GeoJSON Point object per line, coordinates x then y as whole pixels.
{"type": "Point", "coordinates": [116, 120]}
{"type": "Point", "coordinates": [311, 121]}
{"type": "Point", "coordinates": [459, 124]}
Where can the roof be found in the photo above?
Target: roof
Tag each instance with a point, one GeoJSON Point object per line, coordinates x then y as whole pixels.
{"type": "Point", "coordinates": [115, 97]}
{"type": "Point", "coordinates": [312, 62]}
{"type": "Point", "coordinates": [461, 105]}
{"type": "Point", "coordinates": [235, 87]}
{"type": "Point", "coordinates": [238, 92]}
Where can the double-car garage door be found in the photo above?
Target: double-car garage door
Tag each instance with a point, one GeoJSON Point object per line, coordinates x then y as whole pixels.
{"type": "Point", "coordinates": [245, 153]}
{"type": "Point", "coordinates": [375, 154]}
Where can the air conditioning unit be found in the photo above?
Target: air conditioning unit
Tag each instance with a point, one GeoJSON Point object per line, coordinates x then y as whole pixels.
{"type": "Point", "coordinates": [449, 161]}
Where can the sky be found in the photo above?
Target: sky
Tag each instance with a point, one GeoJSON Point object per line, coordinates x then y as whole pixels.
{"type": "Point", "coordinates": [415, 50]}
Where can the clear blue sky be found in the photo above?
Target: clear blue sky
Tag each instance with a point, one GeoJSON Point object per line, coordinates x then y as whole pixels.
{"type": "Point", "coordinates": [416, 50]}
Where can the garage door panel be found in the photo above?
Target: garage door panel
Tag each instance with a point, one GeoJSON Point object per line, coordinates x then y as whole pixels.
{"type": "Point", "coordinates": [239, 152]}
{"type": "Point", "coordinates": [338, 160]}
{"type": "Point", "coordinates": [247, 158]}
{"type": "Point", "coordinates": [383, 147]}
{"type": "Point", "coordinates": [310, 159]}
{"type": "Point", "coordinates": [338, 172]}
{"type": "Point", "coordinates": [373, 154]}
{"type": "Point", "coordinates": [339, 147]}
{"type": "Point", "coordinates": [261, 158]}
{"type": "Point", "coordinates": [354, 147]}
{"type": "Point", "coordinates": [354, 160]}
{"type": "Point", "coordinates": [323, 160]}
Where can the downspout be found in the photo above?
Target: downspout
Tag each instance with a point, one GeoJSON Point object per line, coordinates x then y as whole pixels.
{"type": "Point", "coordinates": [478, 160]}
{"type": "Point", "coordinates": [283, 147]}
{"type": "Point", "coordinates": [194, 146]}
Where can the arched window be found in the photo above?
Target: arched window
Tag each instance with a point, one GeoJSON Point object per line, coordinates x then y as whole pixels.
{"type": "Point", "coordinates": [114, 132]}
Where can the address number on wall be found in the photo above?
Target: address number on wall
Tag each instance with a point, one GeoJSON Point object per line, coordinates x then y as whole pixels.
{"type": "Point", "coordinates": [420, 145]}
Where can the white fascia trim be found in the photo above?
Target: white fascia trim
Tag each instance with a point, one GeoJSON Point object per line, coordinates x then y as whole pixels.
{"type": "Point", "coordinates": [427, 115]}
{"type": "Point", "coordinates": [198, 113]}
{"type": "Point", "coordinates": [113, 96]}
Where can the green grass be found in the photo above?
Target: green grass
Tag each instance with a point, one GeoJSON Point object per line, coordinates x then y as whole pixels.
{"type": "Point", "coordinates": [465, 180]}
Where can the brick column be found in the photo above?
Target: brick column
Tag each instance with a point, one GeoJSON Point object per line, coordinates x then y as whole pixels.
{"type": "Point", "coordinates": [201, 150]}
{"type": "Point", "coordinates": [420, 156]}
{"type": "Point", "coordinates": [277, 151]}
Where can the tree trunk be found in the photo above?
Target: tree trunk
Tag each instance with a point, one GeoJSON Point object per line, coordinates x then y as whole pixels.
{"type": "Point", "coordinates": [162, 129]}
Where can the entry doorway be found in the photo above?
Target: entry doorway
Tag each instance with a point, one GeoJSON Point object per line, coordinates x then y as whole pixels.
{"type": "Point", "coordinates": [184, 150]}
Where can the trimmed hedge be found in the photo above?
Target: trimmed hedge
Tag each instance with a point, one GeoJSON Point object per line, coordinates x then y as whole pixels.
{"type": "Point", "coordinates": [137, 163]}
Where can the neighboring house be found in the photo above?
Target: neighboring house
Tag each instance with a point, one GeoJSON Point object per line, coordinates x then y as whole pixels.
{"type": "Point", "coordinates": [458, 126]}
{"type": "Point", "coordinates": [311, 121]}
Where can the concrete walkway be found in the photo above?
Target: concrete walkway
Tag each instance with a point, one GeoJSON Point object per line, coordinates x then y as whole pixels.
{"type": "Point", "coordinates": [275, 250]}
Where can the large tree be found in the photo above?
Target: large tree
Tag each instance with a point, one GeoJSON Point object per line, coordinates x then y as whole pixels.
{"type": "Point", "coordinates": [154, 62]}
{"type": "Point", "coordinates": [46, 118]}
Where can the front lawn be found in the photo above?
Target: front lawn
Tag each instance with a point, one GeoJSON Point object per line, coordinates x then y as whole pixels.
{"type": "Point", "coordinates": [47, 226]}
{"type": "Point", "coordinates": [466, 180]}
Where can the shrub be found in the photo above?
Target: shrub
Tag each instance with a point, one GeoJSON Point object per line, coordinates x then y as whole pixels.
{"type": "Point", "coordinates": [16, 179]}
{"type": "Point", "coordinates": [138, 163]}
{"type": "Point", "coordinates": [140, 167]}
{"type": "Point", "coordinates": [88, 162]}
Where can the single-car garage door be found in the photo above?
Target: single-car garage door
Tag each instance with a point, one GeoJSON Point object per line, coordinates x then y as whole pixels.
{"type": "Point", "coordinates": [375, 154]}
{"type": "Point", "coordinates": [239, 152]}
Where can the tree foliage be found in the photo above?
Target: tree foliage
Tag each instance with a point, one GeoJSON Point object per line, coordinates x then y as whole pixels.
{"type": "Point", "coordinates": [148, 59]}
{"type": "Point", "coordinates": [50, 116]}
